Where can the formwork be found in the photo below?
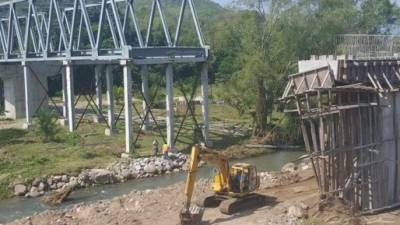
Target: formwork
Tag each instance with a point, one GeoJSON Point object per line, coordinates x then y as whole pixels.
{"type": "Point", "coordinates": [349, 110]}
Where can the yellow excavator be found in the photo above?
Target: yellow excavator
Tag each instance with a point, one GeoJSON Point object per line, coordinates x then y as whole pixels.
{"type": "Point", "coordinates": [232, 187]}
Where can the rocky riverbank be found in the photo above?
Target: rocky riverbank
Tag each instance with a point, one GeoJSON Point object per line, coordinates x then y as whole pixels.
{"type": "Point", "coordinates": [120, 171]}
{"type": "Point", "coordinates": [143, 207]}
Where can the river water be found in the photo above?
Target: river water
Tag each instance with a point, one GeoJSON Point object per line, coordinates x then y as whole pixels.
{"type": "Point", "coordinates": [15, 208]}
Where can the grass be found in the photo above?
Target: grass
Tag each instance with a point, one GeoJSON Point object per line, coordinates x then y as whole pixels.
{"type": "Point", "coordinates": [23, 156]}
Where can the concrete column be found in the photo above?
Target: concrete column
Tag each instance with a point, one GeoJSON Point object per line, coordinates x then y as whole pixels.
{"type": "Point", "coordinates": [170, 105]}
{"type": "Point", "coordinates": [128, 107]}
{"type": "Point", "coordinates": [99, 98]}
{"type": "Point", "coordinates": [110, 99]}
{"type": "Point", "coordinates": [14, 87]}
{"type": "Point", "coordinates": [145, 89]}
{"type": "Point", "coordinates": [70, 97]}
{"type": "Point", "coordinates": [204, 93]}
{"type": "Point", "coordinates": [27, 90]}
{"type": "Point", "coordinates": [64, 96]}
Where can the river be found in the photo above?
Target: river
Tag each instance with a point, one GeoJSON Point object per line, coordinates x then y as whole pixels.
{"type": "Point", "coordinates": [15, 208]}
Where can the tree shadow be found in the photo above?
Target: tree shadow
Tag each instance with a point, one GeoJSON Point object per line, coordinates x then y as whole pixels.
{"type": "Point", "coordinates": [11, 136]}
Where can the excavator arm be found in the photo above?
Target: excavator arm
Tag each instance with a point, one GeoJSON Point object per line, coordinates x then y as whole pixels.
{"type": "Point", "coordinates": [220, 184]}
{"type": "Point", "coordinates": [233, 187]}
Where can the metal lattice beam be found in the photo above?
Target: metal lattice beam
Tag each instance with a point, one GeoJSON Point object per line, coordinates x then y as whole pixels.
{"type": "Point", "coordinates": [55, 30]}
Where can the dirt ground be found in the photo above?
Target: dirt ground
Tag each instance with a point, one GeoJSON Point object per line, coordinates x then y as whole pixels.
{"type": "Point", "coordinates": [162, 206]}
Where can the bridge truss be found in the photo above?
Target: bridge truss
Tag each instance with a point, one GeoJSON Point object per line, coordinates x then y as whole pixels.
{"type": "Point", "coordinates": [102, 33]}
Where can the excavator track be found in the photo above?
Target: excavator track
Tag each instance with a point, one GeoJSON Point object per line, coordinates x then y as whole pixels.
{"type": "Point", "coordinates": [210, 200]}
{"type": "Point", "coordinates": [234, 205]}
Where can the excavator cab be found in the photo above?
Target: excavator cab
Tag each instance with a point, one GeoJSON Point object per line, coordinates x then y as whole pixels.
{"type": "Point", "coordinates": [243, 179]}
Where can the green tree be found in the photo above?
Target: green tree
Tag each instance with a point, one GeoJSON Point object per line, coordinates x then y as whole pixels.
{"type": "Point", "coordinates": [46, 125]}
{"type": "Point", "coordinates": [270, 36]}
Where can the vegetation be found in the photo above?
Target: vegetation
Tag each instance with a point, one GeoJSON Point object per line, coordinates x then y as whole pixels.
{"type": "Point", "coordinates": [24, 156]}
{"type": "Point", "coordinates": [46, 125]}
{"type": "Point", "coordinates": [254, 46]}
{"type": "Point", "coordinates": [118, 93]}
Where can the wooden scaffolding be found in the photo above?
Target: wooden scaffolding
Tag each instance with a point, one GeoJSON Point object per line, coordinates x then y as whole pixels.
{"type": "Point", "coordinates": [349, 122]}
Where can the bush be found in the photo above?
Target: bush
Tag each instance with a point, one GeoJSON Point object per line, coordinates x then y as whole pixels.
{"type": "Point", "coordinates": [88, 155]}
{"type": "Point", "coordinates": [73, 139]}
{"type": "Point", "coordinates": [46, 125]}
{"type": "Point", "coordinates": [118, 94]}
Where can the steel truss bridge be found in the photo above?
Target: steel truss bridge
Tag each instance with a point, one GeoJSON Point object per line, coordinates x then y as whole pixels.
{"type": "Point", "coordinates": [103, 33]}
{"type": "Point", "coordinates": [57, 30]}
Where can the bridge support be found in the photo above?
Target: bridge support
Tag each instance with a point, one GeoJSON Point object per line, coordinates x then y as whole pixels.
{"type": "Point", "coordinates": [129, 148]}
{"type": "Point", "coordinates": [110, 99]}
{"type": "Point", "coordinates": [64, 96]}
{"type": "Point", "coordinates": [170, 105]}
{"type": "Point", "coordinates": [28, 94]}
{"type": "Point", "coordinates": [204, 93]}
{"type": "Point", "coordinates": [145, 89]}
{"type": "Point", "coordinates": [99, 98]}
{"type": "Point", "coordinates": [70, 96]}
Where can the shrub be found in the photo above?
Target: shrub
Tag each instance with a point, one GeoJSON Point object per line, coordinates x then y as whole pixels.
{"type": "Point", "coordinates": [46, 125]}
{"type": "Point", "coordinates": [73, 139]}
{"type": "Point", "coordinates": [88, 155]}
{"type": "Point", "coordinates": [118, 94]}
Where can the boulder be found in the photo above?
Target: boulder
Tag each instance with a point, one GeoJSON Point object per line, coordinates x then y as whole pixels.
{"type": "Point", "coordinates": [289, 168]}
{"type": "Point", "coordinates": [101, 176]}
{"type": "Point", "coordinates": [57, 179]}
{"type": "Point", "coordinates": [296, 212]}
{"type": "Point", "coordinates": [33, 193]}
{"type": "Point", "coordinates": [150, 168]}
{"type": "Point", "coordinates": [42, 186]}
{"type": "Point", "coordinates": [60, 185]}
{"type": "Point", "coordinates": [36, 182]}
{"type": "Point", "coordinates": [84, 177]}
{"type": "Point", "coordinates": [20, 190]}
{"type": "Point", "coordinates": [50, 181]}
{"type": "Point", "coordinates": [65, 179]}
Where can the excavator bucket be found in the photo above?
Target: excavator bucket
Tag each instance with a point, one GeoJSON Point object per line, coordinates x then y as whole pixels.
{"type": "Point", "coordinates": [191, 216]}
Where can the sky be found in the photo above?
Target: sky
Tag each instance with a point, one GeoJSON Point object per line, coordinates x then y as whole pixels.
{"type": "Point", "coordinates": [225, 2]}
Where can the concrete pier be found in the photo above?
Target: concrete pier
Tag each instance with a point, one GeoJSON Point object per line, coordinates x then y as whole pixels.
{"type": "Point", "coordinates": [110, 99]}
{"type": "Point", "coordinates": [27, 91]}
{"type": "Point", "coordinates": [129, 148]}
{"type": "Point", "coordinates": [204, 94]}
{"type": "Point", "coordinates": [64, 96]}
{"type": "Point", "coordinates": [70, 96]}
{"type": "Point", "coordinates": [145, 89]}
{"type": "Point", "coordinates": [170, 105]}
{"type": "Point", "coordinates": [99, 98]}
{"type": "Point", "coordinates": [14, 88]}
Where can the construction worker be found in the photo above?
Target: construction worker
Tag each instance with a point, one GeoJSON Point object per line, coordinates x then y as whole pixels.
{"type": "Point", "coordinates": [155, 148]}
{"type": "Point", "coordinates": [165, 150]}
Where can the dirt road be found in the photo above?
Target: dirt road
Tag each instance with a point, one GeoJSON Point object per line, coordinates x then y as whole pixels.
{"type": "Point", "coordinates": [291, 202]}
